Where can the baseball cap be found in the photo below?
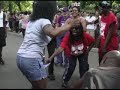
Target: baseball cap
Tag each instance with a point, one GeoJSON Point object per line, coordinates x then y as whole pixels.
{"type": "Point", "coordinates": [104, 4]}
{"type": "Point", "coordinates": [65, 9]}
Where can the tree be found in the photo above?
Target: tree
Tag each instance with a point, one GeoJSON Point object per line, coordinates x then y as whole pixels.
{"type": "Point", "coordinates": [82, 4]}
{"type": "Point", "coordinates": [10, 6]}
{"type": "Point", "coordinates": [67, 3]}
{"type": "Point", "coordinates": [19, 5]}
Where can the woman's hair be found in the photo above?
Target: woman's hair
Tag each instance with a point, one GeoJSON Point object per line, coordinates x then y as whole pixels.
{"type": "Point", "coordinates": [43, 9]}
{"type": "Point", "coordinates": [79, 36]}
{"type": "Point", "coordinates": [78, 8]}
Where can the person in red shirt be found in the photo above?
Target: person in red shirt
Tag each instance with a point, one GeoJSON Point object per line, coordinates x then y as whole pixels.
{"type": "Point", "coordinates": [108, 38]}
{"type": "Point", "coordinates": [74, 44]}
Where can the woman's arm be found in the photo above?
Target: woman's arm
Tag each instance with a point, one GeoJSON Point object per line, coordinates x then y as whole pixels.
{"type": "Point", "coordinates": [84, 24]}
{"type": "Point", "coordinates": [58, 51]}
{"type": "Point", "coordinates": [53, 32]}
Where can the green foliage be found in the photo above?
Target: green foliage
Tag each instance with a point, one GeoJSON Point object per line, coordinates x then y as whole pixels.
{"type": "Point", "coordinates": [24, 5]}
{"type": "Point", "coordinates": [27, 5]}
{"type": "Point", "coordinates": [61, 4]}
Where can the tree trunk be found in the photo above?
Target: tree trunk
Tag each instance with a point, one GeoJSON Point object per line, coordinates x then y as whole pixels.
{"type": "Point", "coordinates": [19, 5]}
{"type": "Point", "coordinates": [10, 6]}
{"type": "Point", "coordinates": [67, 2]}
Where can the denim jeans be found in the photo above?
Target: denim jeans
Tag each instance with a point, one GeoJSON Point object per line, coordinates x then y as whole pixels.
{"type": "Point", "coordinates": [32, 68]}
{"type": "Point", "coordinates": [60, 56]}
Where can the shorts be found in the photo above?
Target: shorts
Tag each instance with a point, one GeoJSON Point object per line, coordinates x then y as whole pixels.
{"type": "Point", "coordinates": [32, 68]}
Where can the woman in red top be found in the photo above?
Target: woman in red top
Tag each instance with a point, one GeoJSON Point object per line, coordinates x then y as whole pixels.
{"type": "Point", "coordinates": [75, 44]}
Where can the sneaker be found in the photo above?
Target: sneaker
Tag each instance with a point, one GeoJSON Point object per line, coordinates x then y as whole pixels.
{"type": "Point", "coordinates": [65, 84]}
{"type": "Point", "coordinates": [51, 77]}
{"type": "Point", "coordinates": [2, 62]}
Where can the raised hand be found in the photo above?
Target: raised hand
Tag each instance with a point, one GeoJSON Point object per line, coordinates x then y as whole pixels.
{"type": "Point", "coordinates": [74, 23]}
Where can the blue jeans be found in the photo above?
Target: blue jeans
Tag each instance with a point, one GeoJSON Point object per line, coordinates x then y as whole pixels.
{"type": "Point", "coordinates": [32, 68]}
{"type": "Point", "coordinates": [60, 57]}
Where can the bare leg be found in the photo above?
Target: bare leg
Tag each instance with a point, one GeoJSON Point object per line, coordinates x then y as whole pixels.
{"type": "Point", "coordinates": [40, 84]}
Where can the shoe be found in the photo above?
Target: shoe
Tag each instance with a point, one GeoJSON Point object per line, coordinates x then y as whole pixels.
{"type": "Point", "coordinates": [2, 62]}
{"type": "Point", "coordinates": [51, 77]}
{"type": "Point", "coordinates": [65, 84]}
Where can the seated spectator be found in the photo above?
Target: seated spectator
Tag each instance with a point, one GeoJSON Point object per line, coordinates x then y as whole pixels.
{"type": "Point", "coordinates": [106, 76]}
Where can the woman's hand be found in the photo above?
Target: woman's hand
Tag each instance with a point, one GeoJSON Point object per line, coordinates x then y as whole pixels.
{"type": "Point", "coordinates": [47, 61]}
{"type": "Point", "coordinates": [74, 23]}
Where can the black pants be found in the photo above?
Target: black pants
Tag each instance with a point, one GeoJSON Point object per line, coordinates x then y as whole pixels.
{"type": "Point", "coordinates": [23, 32]}
{"type": "Point", "coordinates": [1, 52]}
{"type": "Point", "coordinates": [51, 48]}
{"type": "Point", "coordinates": [16, 26]}
{"type": "Point", "coordinates": [83, 67]}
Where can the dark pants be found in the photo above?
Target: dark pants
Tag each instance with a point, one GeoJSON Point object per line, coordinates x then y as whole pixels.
{"type": "Point", "coordinates": [23, 32]}
{"type": "Point", "coordinates": [60, 57]}
{"type": "Point", "coordinates": [51, 48]}
{"type": "Point", "coordinates": [11, 25]}
{"type": "Point", "coordinates": [16, 26]}
{"type": "Point", "coordinates": [1, 52]}
{"type": "Point", "coordinates": [83, 67]}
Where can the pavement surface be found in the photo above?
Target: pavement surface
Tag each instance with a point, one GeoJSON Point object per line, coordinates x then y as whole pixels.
{"type": "Point", "coordinates": [12, 78]}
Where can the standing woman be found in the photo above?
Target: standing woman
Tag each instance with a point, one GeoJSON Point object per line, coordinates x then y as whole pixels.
{"type": "Point", "coordinates": [76, 44]}
{"type": "Point", "coordinates": [37, 36]}
{"type": "Point", "coordinates": [3, 34]}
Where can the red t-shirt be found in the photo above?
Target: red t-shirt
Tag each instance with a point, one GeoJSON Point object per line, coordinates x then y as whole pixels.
{"type": "Point", "coordinates": [106, 21]}
{"type": "Point", "coordinates": [67, 45]}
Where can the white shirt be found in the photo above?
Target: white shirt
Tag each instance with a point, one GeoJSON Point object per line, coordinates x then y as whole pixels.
{"type": "Point", "coordinates": [35, 39]}
{"type": "Point", "coordinates": [1, 19]}
{"type": "Point", "coordinates": [90, 19]}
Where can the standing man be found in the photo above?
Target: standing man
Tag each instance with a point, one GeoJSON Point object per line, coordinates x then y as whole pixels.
{"type": "Point", "coordinates": [108, 38]}
{"type": "Point", "coordinates": [2, 34]}
{"type": "Point", "coordinates": [61, 22]}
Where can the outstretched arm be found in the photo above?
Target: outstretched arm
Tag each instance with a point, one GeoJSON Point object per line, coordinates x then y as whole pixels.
{"type": "Point", "coordinates": [53, 32]}
{"type": "Point", "coordinates": [58, 51]}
